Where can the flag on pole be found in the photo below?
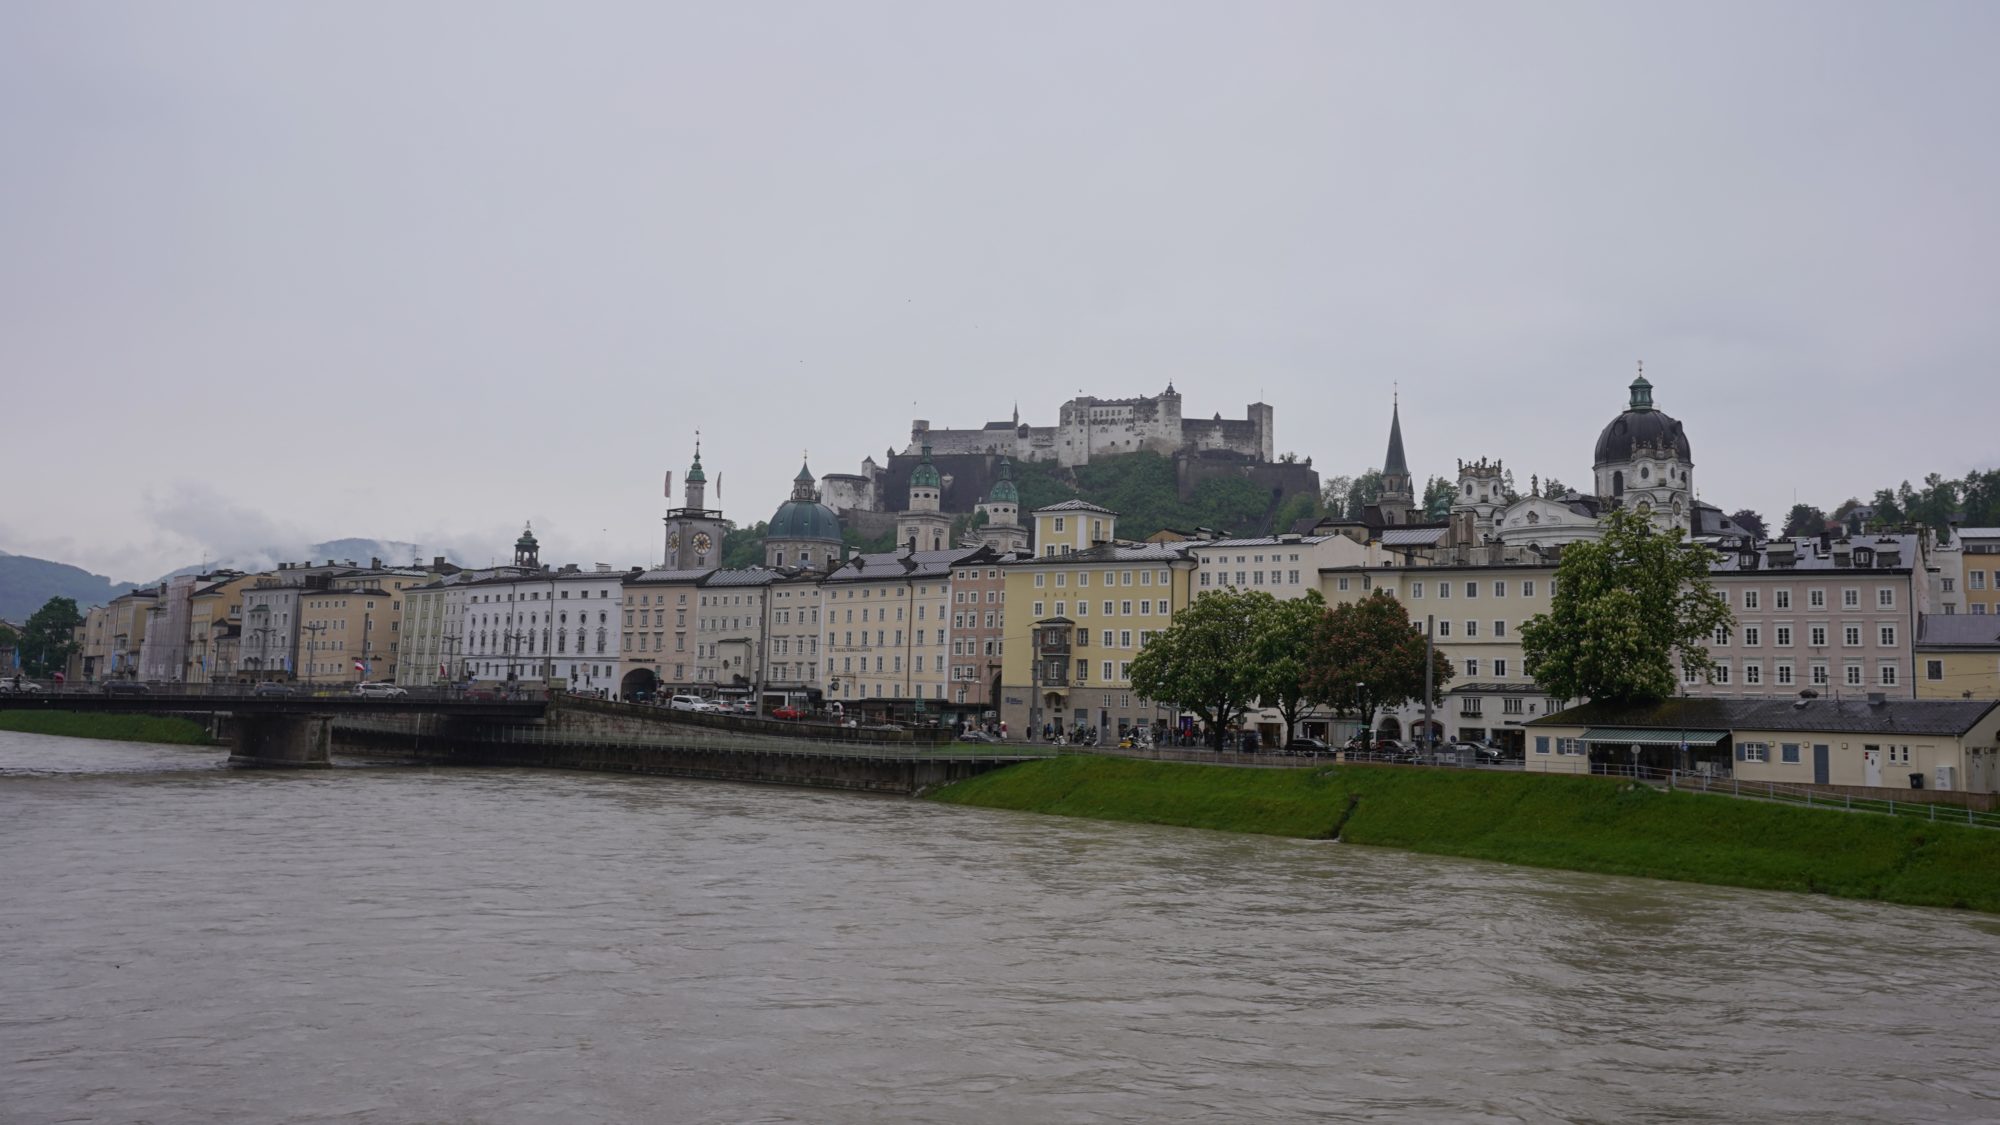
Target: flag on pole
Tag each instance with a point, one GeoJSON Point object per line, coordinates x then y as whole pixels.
{"type": "Point", "coordinates": [361, 665]}
{"type": "Point", "coordinates": [718, 486]}
{"type": "Point", "coordinates": [670, 484]}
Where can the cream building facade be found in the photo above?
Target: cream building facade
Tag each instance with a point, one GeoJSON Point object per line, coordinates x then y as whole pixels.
{"type": "Point", "coordinates": [1878, 743]}
{"type": "Point", "coordinates": [885, 632]}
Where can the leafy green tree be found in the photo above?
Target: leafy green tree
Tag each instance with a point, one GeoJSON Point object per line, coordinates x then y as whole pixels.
{"type": "Point", "coordinates": [1205, 662]}
{"type": "Point", "coordinates": [1286, 631]}
{"type": "Point", "coordinates": [1751, 522]}
{"type": "Point", "coordinates": [1553, 488]}
{"type": "Point", "coordinates": [1333, 495]}
{"type": "Point", "coordinates": [1366, 656]}
{"type": "Point", "coordinates": [1627, 610]}
{"type": "Point", "coordinates": [48, 639]}
{"type": "Point", "coordinates": [1366, 489]}
{"type": "Point", "coordinates": [1804, 519]}
{"type": "Point", "coordinates": [745, 545]}
{"type": "Point", "coordinates": [1298, 506]}
{"type": "Point", "coordinates": [1438, 496]}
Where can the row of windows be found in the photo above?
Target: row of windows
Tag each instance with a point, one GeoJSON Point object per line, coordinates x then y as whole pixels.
{"type": "Point", "coordinates": [1781, 636]}
{"type": "Point", "coordinates": [535, 596]}
{"type": "Point", "coordinates": [1256, 578]}
{"type": "Point", "coordinates": [1781, 598]}
{"type": "Point", "coordinates": [1124, 578]}
{"type": "Point", "coordinates": [1471, 629]}
{"type": "Point", "coordinates": [1124, 608]}
{"type": "Point", "coordinates": [1783, 674]}
{"type": "Point", "coordinates": [1472, 588]}
{"type": "Point", "coordinates": [894, 664]}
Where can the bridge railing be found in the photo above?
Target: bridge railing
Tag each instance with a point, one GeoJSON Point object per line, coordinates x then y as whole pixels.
{"type": "Point", "coordinates": [699, 738]}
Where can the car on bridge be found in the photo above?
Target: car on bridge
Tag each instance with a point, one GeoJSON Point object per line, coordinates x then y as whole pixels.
{"type": "Point", "coordinates": [126, 687]}
{"type": "Point", "coordinates": [787, 713]}
{"type": "Point", "coordinates": [18, 684]}
{"type": "Point", "coordinates": [379, 690]}
{"type": "Point", "coordinates": [273, 687]}
{"type": "Point", "coordinates": [690, 703]}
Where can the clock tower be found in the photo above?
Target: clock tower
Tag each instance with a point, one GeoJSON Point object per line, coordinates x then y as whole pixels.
{"type": "Point", "coordinates": [694, 532]}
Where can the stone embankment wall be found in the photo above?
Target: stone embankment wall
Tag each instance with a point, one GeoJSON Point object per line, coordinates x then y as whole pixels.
{"type": "Point", "coordinates": [594, 735]}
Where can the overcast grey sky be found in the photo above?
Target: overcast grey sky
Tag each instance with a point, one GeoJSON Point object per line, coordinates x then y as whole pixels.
{"type": "Point", "coordinates": [272, 273]}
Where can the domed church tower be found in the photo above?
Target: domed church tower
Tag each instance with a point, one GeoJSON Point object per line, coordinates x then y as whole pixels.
{"type": "Point", "coordinates": [1002, 530]}
{"type": "Point", "coordinates": [923, 526]}
{"type": "Point", "coordinates": [1643, 462]}
{"type": "Point", "coordinates": [803, 531]}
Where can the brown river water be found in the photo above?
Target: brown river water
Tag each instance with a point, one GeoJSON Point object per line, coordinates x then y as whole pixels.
{"type": "Point", "coordinates": [182, 942]}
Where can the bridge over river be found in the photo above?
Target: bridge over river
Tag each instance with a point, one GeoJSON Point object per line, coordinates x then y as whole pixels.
{"type": "Point", "coordinates": [301, 729]}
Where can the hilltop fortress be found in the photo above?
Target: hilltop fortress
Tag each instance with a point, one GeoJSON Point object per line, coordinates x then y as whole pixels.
{"type": "Point", "coordinates": [1088, 429]}
{"type": "Point", "coordinates": [1099, 427]}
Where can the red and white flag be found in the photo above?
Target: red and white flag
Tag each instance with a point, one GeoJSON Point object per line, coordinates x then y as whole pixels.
{"type": "Point", "coordinates": [361, 665]}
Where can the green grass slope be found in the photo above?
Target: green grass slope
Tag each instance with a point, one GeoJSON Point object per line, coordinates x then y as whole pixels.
{"type": "Point", "coordinates": [123, 728]}
{"type": "Point", "coordinates": [1572, 823]}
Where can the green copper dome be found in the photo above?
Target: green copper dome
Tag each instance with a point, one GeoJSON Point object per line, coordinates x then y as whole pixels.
{"type": "Point", "coordinates": [804, 519]}
{"type": "Point", "coordinates": [527, 538]}
{"type": "Point", "coordinates": [694, 472]}
{"type": "Point", "coordinates": [926, 474]}
{"type": "Point", "coordinates": [1004, 491]}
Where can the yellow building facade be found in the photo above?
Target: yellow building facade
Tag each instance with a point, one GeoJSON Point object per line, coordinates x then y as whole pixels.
{"type": "Point", "coordinates": [1077, 618]}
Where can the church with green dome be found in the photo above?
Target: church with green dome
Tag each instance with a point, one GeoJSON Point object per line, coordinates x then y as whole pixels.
{"type": "Point", "coordinates": [804, 532]}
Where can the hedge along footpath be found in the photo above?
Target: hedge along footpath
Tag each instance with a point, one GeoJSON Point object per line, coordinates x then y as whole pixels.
{"type": "Point", "coordinates": [1598, 824]}
{"type": "Point", "coordinates": [122, 728]}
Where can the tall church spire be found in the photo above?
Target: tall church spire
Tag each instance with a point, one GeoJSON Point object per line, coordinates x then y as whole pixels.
{"type": "Point", "coordinates": [1394, 464]}
{"type": "Point", "coordinates": [1398, 502]}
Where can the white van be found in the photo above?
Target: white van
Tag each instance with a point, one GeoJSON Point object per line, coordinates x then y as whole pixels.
{"type": "Point", "coordinates": [689, 703]}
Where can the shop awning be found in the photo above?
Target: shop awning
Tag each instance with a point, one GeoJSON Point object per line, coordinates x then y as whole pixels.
{"type": "Point", "coordinates": [1614, 736]}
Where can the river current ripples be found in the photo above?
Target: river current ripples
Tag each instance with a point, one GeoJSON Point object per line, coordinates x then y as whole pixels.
{"type": "Point", "coordinates": [182, 942]}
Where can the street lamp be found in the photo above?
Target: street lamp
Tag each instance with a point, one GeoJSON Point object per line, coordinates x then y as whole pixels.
{"type": "Point", "coordinates": [312, 646]}
{"type": "Point", "coordinates": [1366, 735]}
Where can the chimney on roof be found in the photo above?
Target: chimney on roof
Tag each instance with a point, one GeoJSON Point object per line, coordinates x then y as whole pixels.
{"type": "Point", "coordinates": [437, 563]}
{"type": "Point", "coordinates": [374, 563]}
{"type": "Point", "coordinates": [1877, 699]}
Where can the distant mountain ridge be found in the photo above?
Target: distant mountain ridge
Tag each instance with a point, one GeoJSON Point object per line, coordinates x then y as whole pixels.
{"type": "Point", "coordinates": [27, 583]}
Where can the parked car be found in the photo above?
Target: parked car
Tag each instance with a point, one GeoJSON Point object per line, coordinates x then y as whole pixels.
{"type": "Point", "coordinates": [19, 684]}
{"type": "Point", "coordinates": [126, 687]}
{"type": "Point", "coordinates": [977, 736]}
{"type": "Point", "coordinates": [380, 690]}
{"type": "Point", "coordinates": [787, 713]}
{"type": "Point", "coordinates": [1307, 747]}
{"type": "Point", "coordinates": [273, 687]}
{"type": "Point", "coordinates": [690, 703]}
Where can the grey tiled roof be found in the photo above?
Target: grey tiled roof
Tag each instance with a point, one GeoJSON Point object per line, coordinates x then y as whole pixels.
{"type": "Point", "coordinates": [747, 576]}
{"type": "Point", "coordinates": [1951, 717]}
{"type": "Point", "coordinates": [1075, 506]}
{"type": "Point", "coordinates": [1260, 541]}
{"type": "Point", "coordinates": [1412, 536]}
{"type": "Point", "coordinates": [1953, 629]}
{"type": "Point", "coordinates": [668, 576]}
{"type": "Point", "coordinates": [1808, 558]}
{"type": "Point", "coordinates": [884, 565]}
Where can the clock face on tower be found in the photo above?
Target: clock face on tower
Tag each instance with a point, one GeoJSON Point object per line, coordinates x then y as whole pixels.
{"type": "Point", "coordinates": [673, 541]}
{"type": "Point", "coordinates": [701, 543]}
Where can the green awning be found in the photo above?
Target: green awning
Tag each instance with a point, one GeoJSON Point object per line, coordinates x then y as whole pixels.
{"type": "Point", "coordinates": [1640, 737]}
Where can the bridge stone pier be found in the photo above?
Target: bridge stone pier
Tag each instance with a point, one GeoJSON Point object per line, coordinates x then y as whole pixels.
{"type": "Point", "coordinates": [279, 741]}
